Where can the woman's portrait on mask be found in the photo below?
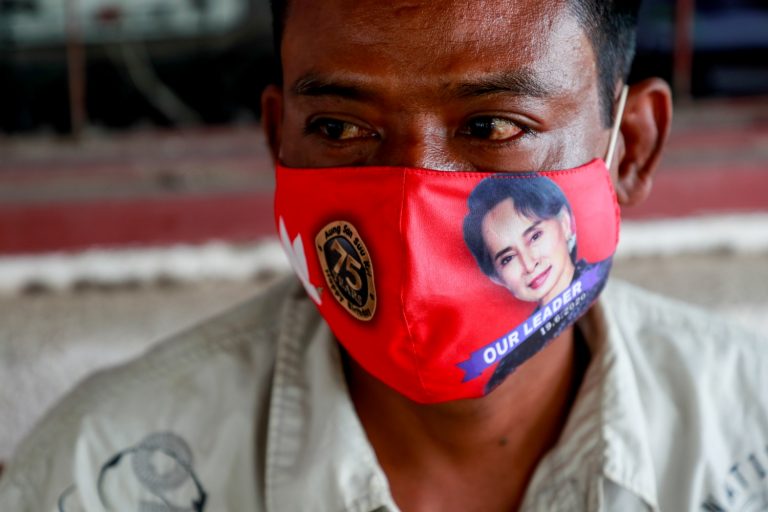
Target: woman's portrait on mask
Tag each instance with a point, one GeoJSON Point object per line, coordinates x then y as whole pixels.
{"type": "Point", "coordinates": [522, 233]}
{"type": "Point", "coordinates": [521, 230]}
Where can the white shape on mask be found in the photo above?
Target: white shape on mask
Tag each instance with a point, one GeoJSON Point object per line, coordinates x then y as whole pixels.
{"type": "Point", "coordinates": [298, 259]}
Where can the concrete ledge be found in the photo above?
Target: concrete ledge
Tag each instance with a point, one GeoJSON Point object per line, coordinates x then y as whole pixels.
{"type": "Point", "coordinates": [185, 263]}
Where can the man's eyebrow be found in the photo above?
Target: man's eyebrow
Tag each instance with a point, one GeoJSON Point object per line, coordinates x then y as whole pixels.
{"type": "Point", "coordinates": [519, 83]}
{"type": "Point", "coordinates": [315, 85]}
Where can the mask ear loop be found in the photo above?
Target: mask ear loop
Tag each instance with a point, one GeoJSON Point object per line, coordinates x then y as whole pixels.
{"type": "Point", "coordinates": [616, 125]}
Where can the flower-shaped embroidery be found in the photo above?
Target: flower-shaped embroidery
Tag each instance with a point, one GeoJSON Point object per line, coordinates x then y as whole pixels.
{"type": "Point", "coordinates": [298, 260]}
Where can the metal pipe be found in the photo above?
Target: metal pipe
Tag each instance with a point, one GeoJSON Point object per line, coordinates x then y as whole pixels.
{"type": "Point", "coordinates": [75, 70]}
{"type": "Point", "coordinates": [683, 51]}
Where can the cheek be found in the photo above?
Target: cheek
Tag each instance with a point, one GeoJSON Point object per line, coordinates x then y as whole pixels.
{"type": "Point", "coordinates": [554, 244]}
{"type": "Point", "coordinates": [511, 274]}
{"type": "Point", "coordinates": [549, 247]}
{"type": "Point", "coordinates": [560, 253]}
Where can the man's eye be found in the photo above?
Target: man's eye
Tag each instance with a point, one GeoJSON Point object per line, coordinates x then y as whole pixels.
{"type": "Point", "coordinates": [536, 235]}
{"type": "Point", "coordinates": [335, 129]}
{"type": "Point", "coordinates": [492, 128]}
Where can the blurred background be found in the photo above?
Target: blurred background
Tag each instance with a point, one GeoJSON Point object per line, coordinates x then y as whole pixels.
{"type": "Point", "coordinates": [135, 188]}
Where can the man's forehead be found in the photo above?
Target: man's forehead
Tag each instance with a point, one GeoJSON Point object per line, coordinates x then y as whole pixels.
{"type": "Point", "coordinates": [446, 21]}
{"type": "Point", "coordinates": [432, 40]}
{"type": "Point", "coordinates": [457, 15]}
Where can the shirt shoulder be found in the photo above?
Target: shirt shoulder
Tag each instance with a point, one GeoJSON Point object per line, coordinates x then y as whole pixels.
{"type": "Point", "coordinates": [687, 339]}
{"type": "Point", "coordinates": [703, 387]}
{"type": "Point", "coordinates": [181, 399]}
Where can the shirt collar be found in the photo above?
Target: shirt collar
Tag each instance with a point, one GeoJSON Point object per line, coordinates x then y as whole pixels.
{"type": "Point", "coordinates": [317, 451]}
{"type": "Point", "coordinates": [628, 461]}
{"type": "Point", "coordinates": [604, 436]}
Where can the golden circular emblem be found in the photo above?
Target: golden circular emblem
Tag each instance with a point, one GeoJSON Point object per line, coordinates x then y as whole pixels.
{"type": "Point", "coordinates": [347, 267]}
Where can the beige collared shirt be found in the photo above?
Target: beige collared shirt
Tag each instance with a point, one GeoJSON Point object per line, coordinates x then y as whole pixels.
{"type": "Point", "coordinates": [250, 412]}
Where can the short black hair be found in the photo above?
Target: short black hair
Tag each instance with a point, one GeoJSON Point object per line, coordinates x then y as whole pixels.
{"type": "Point", "coordinates": [610, 25]}
{"type": "Point", "coordinates": [533, 195]}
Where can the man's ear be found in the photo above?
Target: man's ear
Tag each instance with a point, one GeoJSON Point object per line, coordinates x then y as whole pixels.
{"type": "Point", "coordinates": [272, 118]}
{"type": "Point", "coordinates": [644, 129]}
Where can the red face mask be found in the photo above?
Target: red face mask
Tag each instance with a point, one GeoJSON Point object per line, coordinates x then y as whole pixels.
{"type": "Point", "coordinates": [440, 284]}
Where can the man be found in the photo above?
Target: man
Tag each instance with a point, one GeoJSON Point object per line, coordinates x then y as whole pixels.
{"type": "Point", "coordinates": [646, 405]}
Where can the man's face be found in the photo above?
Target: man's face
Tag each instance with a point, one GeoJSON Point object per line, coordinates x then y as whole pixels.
{"type": "Point", "coordinates": [530, 255]}
{"type": "Point", "coordinates": [492, 85]}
